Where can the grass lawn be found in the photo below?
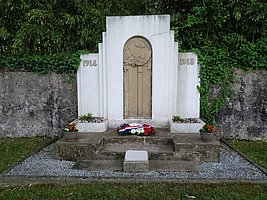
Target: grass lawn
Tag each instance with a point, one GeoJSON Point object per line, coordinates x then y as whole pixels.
{"type": "Point", "coordinates": [255, 150]}
{"type": "Point", "coordinates": [13, 150]}
{"type": "Point", "coordinates": [138, 191]}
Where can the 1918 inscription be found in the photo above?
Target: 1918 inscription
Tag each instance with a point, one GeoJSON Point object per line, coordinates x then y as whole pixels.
{"type": "Point", "coordinates": [186, 61]}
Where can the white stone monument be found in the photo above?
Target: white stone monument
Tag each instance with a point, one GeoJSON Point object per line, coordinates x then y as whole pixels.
{"type": "Point", "coordinates": [138, 74]}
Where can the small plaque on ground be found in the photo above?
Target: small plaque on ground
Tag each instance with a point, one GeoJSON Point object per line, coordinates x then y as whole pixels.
{"type": "Point", "coordinates": [136, 155]}
{"type": "Point", "coordinates": [136, 161]}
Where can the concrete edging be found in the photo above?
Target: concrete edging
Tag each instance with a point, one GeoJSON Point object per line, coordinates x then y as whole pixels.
{"type": "Point", "coordinates": [35, 180]}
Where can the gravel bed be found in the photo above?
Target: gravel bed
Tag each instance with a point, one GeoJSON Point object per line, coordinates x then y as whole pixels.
{"type": "Point", "coordinates": [231, 167]}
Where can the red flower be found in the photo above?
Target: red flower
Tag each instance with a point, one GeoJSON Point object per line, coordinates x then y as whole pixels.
{"type": "Point", "coordinates": [71, 127]}
{"type": "Point", "coordinates": [209, 128]}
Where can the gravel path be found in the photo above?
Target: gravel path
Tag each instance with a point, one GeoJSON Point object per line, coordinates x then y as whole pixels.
{"type": "Point", "coordinates": [232, 167]}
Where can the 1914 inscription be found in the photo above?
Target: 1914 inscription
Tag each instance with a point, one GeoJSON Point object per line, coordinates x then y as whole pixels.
{"type": "Point", "coordinates": [186, 61]}
{"type": "Point", "coordinates": [89, 63]}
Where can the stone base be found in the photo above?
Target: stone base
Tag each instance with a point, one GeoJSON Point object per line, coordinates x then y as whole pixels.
{"type": "Point", "coordinates": [186, 127]}
{"type": "Point", "coordinates": [92, 127]}
{"type": "Point", "coordinates": [163, 147]}
{"type": "Point", "coordinates": [136, 161]}
{"type": "Point", "coordinates": [191, 147]}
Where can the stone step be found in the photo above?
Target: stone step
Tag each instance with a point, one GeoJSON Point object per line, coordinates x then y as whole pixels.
{"type": "Point", "coordinates": [117, 151]}
{"type": "Point", "coordinates": [139, 139]}
{"type": "Point", "coordinates": [154, 165]}
{"type": "Point", "coordinates": [189, 147]}
{"type": "Point", "coordinates": [163, 146]}
{"type": "Point", "coordinates": [153, 148]}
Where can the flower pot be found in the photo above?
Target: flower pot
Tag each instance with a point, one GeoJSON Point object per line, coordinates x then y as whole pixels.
{"type": "Point", "coordinates": [70, 136]}
{"type": "Point", "coordinates": [207, 137]}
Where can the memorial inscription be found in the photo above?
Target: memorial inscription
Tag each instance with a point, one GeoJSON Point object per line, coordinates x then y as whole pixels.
{"type": "Point", "coordinates": [186, 61]}
{"type": "Point", "coordinates": [89, 63]}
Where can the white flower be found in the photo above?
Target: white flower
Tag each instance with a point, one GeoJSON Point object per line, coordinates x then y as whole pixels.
{"type": "Point", "coordinates": [134, 124]}
{"type": "Point", "coordinates": [140, 130]}
{"type": "Point", "coordinates": [133, 131]}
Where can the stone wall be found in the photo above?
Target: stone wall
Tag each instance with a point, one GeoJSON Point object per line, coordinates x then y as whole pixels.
{"type": "Point", "coordinates": [245, 114]}
{"type": "Point", "coordinates": [32, 104]}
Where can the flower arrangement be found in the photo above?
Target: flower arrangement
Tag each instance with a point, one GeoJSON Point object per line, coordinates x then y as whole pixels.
{"type": "Point", "coordinates": [71, 127]}
{"type": "Point", "coordinates": [208, 128]}
{"type": "Point", "coordinates": [135, 128]}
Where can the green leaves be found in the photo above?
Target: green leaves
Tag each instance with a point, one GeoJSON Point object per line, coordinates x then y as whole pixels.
{"type": "Point", "coordinates": [49, 26]}
{"type": "Point", "coordinates": [61, 63]}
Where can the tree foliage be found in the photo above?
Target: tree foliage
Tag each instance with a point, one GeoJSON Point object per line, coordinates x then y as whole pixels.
{"type": "Point", "coordinates": [56, 26]}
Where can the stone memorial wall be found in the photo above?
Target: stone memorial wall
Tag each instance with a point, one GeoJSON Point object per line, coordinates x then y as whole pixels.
{"type": "Point", "coordinates": [138, 73]}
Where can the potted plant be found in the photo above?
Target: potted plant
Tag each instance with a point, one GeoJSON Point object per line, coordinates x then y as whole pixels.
{"type": "Point", "coordinates": [70, 132]}
{"type": "Point", "coordinates": [207, 133]}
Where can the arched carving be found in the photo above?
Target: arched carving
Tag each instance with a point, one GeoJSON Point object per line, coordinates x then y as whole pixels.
{"type": "Point", "coordinates": [137, 63]}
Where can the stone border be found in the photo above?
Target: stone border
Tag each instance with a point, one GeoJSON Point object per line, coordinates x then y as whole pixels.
{"type": "Point", "coordinates": [34, 180]}
{"type": "Point", "coordinates": [245, 157]}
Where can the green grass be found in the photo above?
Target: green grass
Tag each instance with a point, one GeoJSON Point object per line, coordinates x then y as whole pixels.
{"type": "Point", "coordinates": [255, 150]}
{"type": "Point", "coordinates": [138, 191]}
{"type": "Point", "coordinates": [13, 150]}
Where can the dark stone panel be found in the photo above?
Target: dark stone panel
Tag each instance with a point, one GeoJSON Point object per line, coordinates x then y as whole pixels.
{"type": "Point", "coordinates": [32, 104]}
{"type": "Point", "coordinates": [245, 113]}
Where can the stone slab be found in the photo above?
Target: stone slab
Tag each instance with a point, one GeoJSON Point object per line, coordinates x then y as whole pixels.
{"type": "Point", "coordinates": [136, 161]}
{"type": "Point", "coordinates": [173, 165]}
{"type": "Point", "coordinates": [154, 165]}
{"type": "Point", "coordinates": [113, 165]}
